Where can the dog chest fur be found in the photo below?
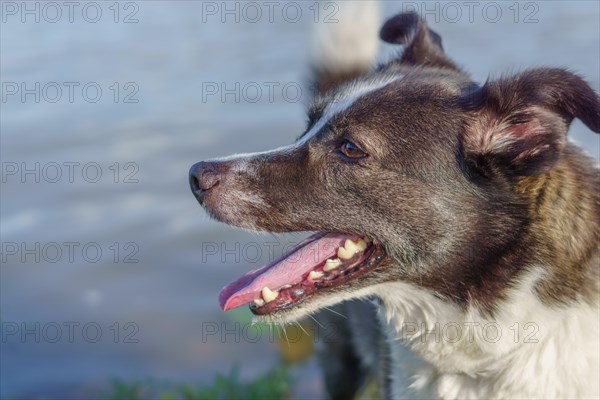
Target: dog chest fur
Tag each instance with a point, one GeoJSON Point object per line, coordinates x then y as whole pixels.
{"type": "Point", "coordinates": [527, 350]}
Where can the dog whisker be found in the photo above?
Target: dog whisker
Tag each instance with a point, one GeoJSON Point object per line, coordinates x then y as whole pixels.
{"type": "Point", "coordinates": [335, 312]}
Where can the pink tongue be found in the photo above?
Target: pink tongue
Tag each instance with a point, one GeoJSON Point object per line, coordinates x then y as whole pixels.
{"type": "Point", "coordinates": [287, 270]}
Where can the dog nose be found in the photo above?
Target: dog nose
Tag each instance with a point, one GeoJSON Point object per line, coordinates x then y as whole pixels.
{"type": "Point", "coordinates": [203, 177]}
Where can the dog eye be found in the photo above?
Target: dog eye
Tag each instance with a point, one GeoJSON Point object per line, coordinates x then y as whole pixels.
{"type": "Point", "coordinates": [350, 150]}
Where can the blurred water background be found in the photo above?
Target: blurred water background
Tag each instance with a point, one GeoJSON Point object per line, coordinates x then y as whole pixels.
{"type": "Point", "coordinates": [169, 57]}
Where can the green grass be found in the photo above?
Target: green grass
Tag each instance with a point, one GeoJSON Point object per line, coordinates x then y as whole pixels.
{"type": "Point", "coordinates": [274, 384]}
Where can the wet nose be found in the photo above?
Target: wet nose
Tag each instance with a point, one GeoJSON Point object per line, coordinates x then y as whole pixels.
{"type": "Point", "coordinates": [203, 177]}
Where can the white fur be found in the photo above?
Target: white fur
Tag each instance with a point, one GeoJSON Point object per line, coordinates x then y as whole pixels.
{"type": "Point", "coordinates": [542, 352]}
{"type": "Point", "coordinates": [350, 39]}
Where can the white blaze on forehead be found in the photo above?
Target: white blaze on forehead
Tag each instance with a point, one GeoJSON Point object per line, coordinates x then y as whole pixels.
{"type": "Point", "coordinates": [343, 100]}
{"type": "Point", "coordinates": [339, 103]}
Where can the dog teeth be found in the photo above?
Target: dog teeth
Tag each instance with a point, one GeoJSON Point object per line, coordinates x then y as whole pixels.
{"type": "Point", "coordinates": [350, 249]}
{"type": "Point", "coordinates": [332, 264]}
{"type": "Point", "coordinates": [315, 275]}
{"type": "Point", "coordinates": [361, 245]}
{"type": "Point", "coordinates": [259, 302]}
{"type": "Point", "coordinates": [344, 254]}
{"type": "Point", "coordinates": [269, 295]}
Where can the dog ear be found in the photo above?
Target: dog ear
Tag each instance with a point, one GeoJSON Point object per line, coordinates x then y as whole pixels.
{"type": "Point", "coordinates": [520, 124]}
{"type": "Point", "coordinates": [422, 45]}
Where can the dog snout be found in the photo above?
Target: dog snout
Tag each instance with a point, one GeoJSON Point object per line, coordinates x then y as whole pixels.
{"type": "Point", "coordinates": [203, 177]}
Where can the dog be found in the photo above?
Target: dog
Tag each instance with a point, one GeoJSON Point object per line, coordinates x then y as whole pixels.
{"type": "Point", "coordinates": [460, 208]}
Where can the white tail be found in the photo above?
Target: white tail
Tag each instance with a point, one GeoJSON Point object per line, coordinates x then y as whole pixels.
{"type": "Point", "coordinates": [350, 40]}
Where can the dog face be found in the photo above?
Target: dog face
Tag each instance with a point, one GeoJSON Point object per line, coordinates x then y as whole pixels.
{"type": "Point", "coordinates": [418, 167]}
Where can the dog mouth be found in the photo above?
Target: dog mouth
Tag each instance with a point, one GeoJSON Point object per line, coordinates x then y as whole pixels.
{"type": "Point", "coordinates": [322, 262]}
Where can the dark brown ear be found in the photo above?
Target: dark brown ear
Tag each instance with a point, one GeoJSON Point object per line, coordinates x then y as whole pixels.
{"type": "Point", "coordinates": [422, 45]}
{"type": "Point", "coordinates": [520, 123]}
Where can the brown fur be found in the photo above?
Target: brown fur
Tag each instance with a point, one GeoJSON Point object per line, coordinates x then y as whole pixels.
{"type": "Point", "coordinates": [565, 209]}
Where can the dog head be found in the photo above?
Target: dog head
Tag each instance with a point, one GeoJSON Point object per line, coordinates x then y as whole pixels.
{"type": "Point", "coordinates": [415, 171]}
